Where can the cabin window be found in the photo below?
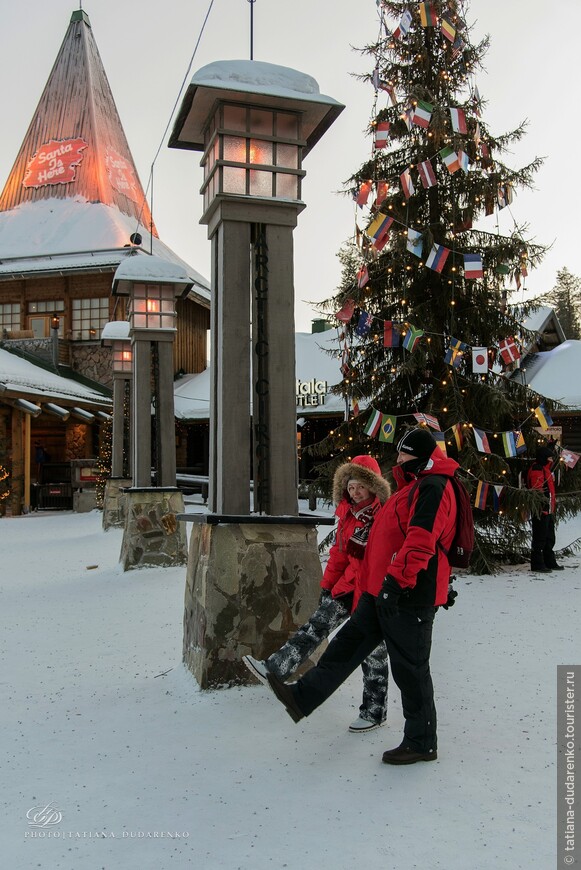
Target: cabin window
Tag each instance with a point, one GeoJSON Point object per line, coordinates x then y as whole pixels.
{"type": "Point", "coordinates": [89, 316]}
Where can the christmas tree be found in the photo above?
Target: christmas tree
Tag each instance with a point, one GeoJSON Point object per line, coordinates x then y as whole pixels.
{"type": "Point", "coordinates": [426, 332]}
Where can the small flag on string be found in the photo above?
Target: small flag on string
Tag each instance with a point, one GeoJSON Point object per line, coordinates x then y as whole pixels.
{"type": "Point", "coordinates": [380, 243]}
{"type": "Point", "coordinates": [363, 193]}
{"type": "Point", "coordinates": [464, 161]}
{"type": "Point", "coordinates": [450, 160]}
{"type": "Point", "coordinates": [407, 184]}
{"type": "Point", "coordinates": [569, 458]}
{"type": "Point", "coordinates": [437, 258]}
{"type": "Point", "coordinates": [508, 351]}
{"type": "Point", "coordinates": [453, 358]}
{"type": "Point", "coordinates": [346, 312]}
{"type": "Point", "coordinates": [422, 114]}
{"type": "Point", "coordinates": [458, 120]}
{"type": "Point", "coordinates": [355, 407]}
{"type": "Point", "coordinates": [457, 47]}
{"type": "Point", "coordinates": [411, 338]}
{"type": "Point", "coordinates": [488, 204]}
{"type": "Point", "coordinates": [379, 226]}
{"type": "Point", "coordinates": [362, 276]}
{"type": "Point", "coordinates": [481, 495]}
{"type": "Point", "coordinates": [381, 134]}
{"type": "Point", "coordinates": [477, 134]}
{"type": "Point", "coordinates": [473, 266]}
{"type": "Point", "coordinates": [476, 100]}
{"type": "Point", "coordinates": [481, 439]}
{"type": "Point", "coordinates": [520, 445]}
{"type": "Point", "coordinates": [428, 17]}
{"type": "Point", "coordinates": [441, 442]}
{"type": "Point", "coordinates": [427, 173]}
{"type": "Point", "coordinates": [364, 324]}
{"type": "Point", "coordinates": [372, 426]}
{"type": "Point", "coordinates": [390, 91]}
{"type": "Point", "coordinates": [387, 428]}
{"type": "Point", "coordinates": [509, 444]}
{"type": "Point", "coordinates": [415, 243]}
{"type": "Point", "coordinates": [382, 190]}
{"type": "Point", "coordinates": [480, 360]}
{"type": "Point", "coordinates": [448, 30]}
{"type": "Point", "coordinates": [391, 334]}
{"type": "Point", "coordinates": [497, 491]}
{"type": "Point", "coordinates": [458, 436]}
{"type": "Point", "coordinates": [375, 78]}
{"type": "Point", "coordinates": [543, 416]}
{"type": "Point", "coordinates": [429, 420]}
{"type": "Point", "coordinates": [404, 25]}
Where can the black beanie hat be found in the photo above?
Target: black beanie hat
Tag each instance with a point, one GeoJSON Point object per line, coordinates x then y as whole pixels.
{"type": "Point", "coordinates": [418, 442]}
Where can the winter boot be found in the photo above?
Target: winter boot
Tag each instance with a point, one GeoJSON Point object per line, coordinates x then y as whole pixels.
{"type": "Point", "coordinates": [538, 563]}
{"type": "Point", "coordinates": [362, 726]}
{"type": "Point", "coordinates": [551, 563]}
{"type": "Point", "coordinates": [257, 668]}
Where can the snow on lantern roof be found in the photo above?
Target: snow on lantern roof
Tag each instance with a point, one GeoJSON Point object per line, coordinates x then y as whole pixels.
{"type": "Point", "coordinates": [144, 269]}
{"type": "Point", "coordinates": [257, 83]}
{"type": "Point", "coordinates": [115, 330]}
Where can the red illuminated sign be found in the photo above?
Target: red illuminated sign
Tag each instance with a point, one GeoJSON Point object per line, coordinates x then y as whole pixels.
{"type": "Point", "coordinates": [121, 175]}
{"type": "Point", "coordinates": [55, 162]}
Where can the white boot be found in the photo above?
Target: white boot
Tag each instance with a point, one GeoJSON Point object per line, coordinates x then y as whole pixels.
{"type": "Point", "coordinates": [362, 726]}
{"type": "Point", "coordinates": [257, 668]}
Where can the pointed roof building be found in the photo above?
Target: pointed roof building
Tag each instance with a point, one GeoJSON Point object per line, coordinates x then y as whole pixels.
{"type": "Point", "coordinates": [73, 199]}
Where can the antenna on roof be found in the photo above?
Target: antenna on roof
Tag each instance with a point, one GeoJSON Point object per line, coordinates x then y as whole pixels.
{"type": "Point", "coordinates": [252, 2]}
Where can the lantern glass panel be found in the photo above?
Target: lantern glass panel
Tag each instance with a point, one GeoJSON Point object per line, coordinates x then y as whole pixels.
{"type": "Point", "coordinates": [235, 149]}
{"type": "Point", "coordinates": [261, 152]}
{"type": "Point", "coordinates": [287, 186]}
{"type": "Point", "coordinates": [261, 121]}
{"type": "Point", "coordinates": [287, 126]}
{"type": "Point", "coordinates": [234, 180]}
{"type": "Point", "coordinates": [260, 183]}
{"type": "Point", "coordinates": [287, 156]}
{"type": "Point", "coordinates": [235, 117]}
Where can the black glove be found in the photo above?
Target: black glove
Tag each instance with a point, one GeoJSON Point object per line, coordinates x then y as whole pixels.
{"type": "Point", "coordinates": [452, 596]}
{"type": "Point", "coordinates": [389, 598]}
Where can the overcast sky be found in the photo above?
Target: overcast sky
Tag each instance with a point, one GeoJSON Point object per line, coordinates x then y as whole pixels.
{"type": "Point", "coordinates": [531, 72]}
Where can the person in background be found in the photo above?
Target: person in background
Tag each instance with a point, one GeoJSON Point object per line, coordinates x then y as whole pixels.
{"type": "Point", "coordinates": [404, 578]}
{"type": "Point", "coordinates": [359, 490]}
{"type": "Point", "coordinates": [540, 476]}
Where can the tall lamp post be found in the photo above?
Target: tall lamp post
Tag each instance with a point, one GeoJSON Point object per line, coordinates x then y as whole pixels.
{"type": "Point", "coordinates": [253, 122]}
{"type": "Point", "coordinates": [151, 534]}
{"type": "Point", "coordinates": [115, 335]}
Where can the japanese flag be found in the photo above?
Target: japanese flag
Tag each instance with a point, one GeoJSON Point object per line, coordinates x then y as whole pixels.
{"type": "Point", "coordinates": [480, 360]}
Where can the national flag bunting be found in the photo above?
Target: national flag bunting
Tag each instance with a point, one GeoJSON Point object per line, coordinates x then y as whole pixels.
{"type": "Point", "coordinates": [450, 160]}
{"type": "Point", "coordinates": [453, 357]}
{"type": "Point", "coordinates": [428, 17]}
{"type": "Point", "coordinates": [391, 334]}
{"type": "Point", "coordinates": [345, 313]}
{"type": "Point", "coordinates": [458, 120]}
{"type": "Point", "coordinates": [363, 193]}
{"type": "Point", "coordinates": [362, 276]}
{"type": "Point", "coordinates": [509, 444]}
{"type": "Point", "coordinates": [422, 114]}
{"type": "Point", "coordinates": [381, 134]}
{"type": "Point", "coordinates": [508, 351]}
{"type": "Point", "coordinates": [427, 174]}
{"type": "Point", "coordinates": [441, 441]}
{"type": "Point", "coordinates": [481, 439]}
{"type": "Point", "coordinates": [481, 495]}
{"type": "Point", "coordinates": [382, 191]}
{"type": "Point", "coordinates": [458, 436]}
{"type": "Point", "coordinates": [473, 266]}
{"type": "Point", "coordinates": [543, 416]}
{"type": "Point", "coordinates": [407, 184]}
{"type": "Point", "coordinates": [437, 258]}
{"type": "Point", "coordinates": [448, 30]}
{"type": "Point", "coordinates": [404, 25]}
{"type": "Point", "coordinates": [520, 444]}
{"type": "Point", "coordinates": [457, 47]}
{"type": "Point", "coordinates": [412, 337]}
{"type": "Point", "coordinates": [387, 428]}
{"type": "Point", "coordinates": [429, 420]}
{"type": "Point", "coordinates": [415, 243]}
{"type": "Point", "coordinates": [364, 324]}
{"type": "Point", "coordinates": [480, 360]}
{"type": "Point", "coordinates": [464, 161]}
{"type": "Point", "coordinates": [372, 426]}
{"type": "Point", "coordinates": [569, 458]}
{"type": "Point", "coordinates": [379, 226]}
{"type": "Point", "coordinates": [497, 491]}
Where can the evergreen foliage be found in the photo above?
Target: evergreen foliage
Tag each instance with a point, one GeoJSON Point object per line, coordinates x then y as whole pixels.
{"type": "Point", "coordinates": [425, 66]}
{"type": "Point", "coordinates": [565, 298]}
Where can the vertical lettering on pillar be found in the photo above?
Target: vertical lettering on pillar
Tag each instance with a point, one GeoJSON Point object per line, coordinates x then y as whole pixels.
{"type": "Point", "coordinates": [261, 377]}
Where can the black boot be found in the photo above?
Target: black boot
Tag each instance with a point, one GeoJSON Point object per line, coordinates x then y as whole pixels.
{"type": "Point", "coordinates": [551, 563]}
{"type": "Point", "coordinates": [538, 563]}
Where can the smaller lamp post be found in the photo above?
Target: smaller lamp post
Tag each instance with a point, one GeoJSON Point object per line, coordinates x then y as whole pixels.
{"type": "Point", "coordinates": [115, 335]}
{"type": "Point", "coordinates": [55, 323]}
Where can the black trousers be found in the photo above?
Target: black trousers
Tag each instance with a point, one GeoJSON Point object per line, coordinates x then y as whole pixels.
{"type": "Point", "coordinates": [408, 637]}
{"type": "Point", "coordinates": [543, 541]}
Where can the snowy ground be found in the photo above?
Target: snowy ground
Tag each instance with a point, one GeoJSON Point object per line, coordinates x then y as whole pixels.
{"type": "Point", "coordinates": [101, 721]}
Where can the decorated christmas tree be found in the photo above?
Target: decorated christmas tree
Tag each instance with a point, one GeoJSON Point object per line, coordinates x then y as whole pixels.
{"type": "Point", "coordinates": [426, 330]}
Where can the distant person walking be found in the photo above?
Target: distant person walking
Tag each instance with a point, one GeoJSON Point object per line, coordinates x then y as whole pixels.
{"type": "Point", "coordinates": [359, 490]}
{"type": "Point", "coordinates": [540, 476]}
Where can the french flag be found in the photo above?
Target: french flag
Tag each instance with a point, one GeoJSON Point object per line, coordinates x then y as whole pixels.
{"type": "Point", "coordinates": [473, 266]}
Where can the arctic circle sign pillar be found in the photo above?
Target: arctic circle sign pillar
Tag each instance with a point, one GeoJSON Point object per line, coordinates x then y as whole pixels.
{"type": "Point", "coordinates": [254, 122]}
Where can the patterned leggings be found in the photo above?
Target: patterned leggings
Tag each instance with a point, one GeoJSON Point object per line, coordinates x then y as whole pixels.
{"type": "Point", "coordinates": [331, 613]}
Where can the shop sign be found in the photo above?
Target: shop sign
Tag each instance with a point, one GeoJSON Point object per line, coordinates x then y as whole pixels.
{"type": "Point", "coordinates": [311, 393]}
{"type": "Point", "coordinates": [121, 175]}
{"type": "Point", "coordinates": [55, 162]}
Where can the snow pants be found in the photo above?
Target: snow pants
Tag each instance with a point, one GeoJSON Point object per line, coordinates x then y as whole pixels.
{"type": "Point", "coordinates": [328, 616]}
{"type": "Point", "coordinates": [543, 542]}
{"type": "Point", "coordinates": [408, 637]}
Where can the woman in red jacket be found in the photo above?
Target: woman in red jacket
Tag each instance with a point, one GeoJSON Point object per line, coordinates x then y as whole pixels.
{"type": "Point", "coordinates": [359, 490]}
{"type": "Point", "coordinates": [540, 476]}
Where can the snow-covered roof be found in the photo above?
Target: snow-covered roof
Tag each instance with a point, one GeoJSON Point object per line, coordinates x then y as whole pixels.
{"type": "Point", "coordinates": [315, 369]}
{"type": "Point", "coordinates": [555, 373]}
{"type": "Point", "coordinates": [540, 319]}
{"type": "Point", "coordinates": [52, 236]}
{"type": "Point", "coordinates": [20, 376]}
{"type": "Point", "coordinates": [116, 330]}
{"type": "Point", "coordinates": [149, 269]}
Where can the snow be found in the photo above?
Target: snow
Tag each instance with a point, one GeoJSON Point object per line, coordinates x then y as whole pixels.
{"type": "Point", "coordinates": [553, 373]}
{"type": "Point", "coordinates": [116, 330]}
{"type": "Point", "coordinates": [17, 374]}
{"type": "Point", "coordinates": [313, 362]}
{"type": "Point", "coordinates": [255, 76]}
{"type": "Point", "coordinates": [142, 268]}
{"type": "Point", "coordinates": [101, 719]}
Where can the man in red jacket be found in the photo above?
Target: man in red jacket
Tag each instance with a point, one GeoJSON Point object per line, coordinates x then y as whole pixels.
{"type": "Point", "coordinates": [540, 476]}
{"type": "Point", "coordinates": [405, 576]}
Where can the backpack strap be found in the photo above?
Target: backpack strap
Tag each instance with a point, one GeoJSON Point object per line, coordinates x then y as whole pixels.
{"type": "Point", "coordinates": [416, 486]}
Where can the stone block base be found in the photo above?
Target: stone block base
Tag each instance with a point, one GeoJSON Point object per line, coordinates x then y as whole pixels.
{"type": "Point", "coordinates": [84, 501]}
{"type": "Point", "coordinates": [248, 588]}
{"type": "Point", "coordinates": [153, 537]}
{"type": "Point", "coordinates": [114, 502]}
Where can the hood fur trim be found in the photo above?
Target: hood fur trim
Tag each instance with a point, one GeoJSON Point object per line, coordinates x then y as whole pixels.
{"type": "Point", "coordinates": [374, 482]}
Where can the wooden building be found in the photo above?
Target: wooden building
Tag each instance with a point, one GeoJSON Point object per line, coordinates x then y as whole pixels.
{"type": "Point", "coordinates": [71, 210]}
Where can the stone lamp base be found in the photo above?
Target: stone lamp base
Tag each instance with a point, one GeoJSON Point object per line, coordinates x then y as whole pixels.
{"type": "Point", "coordinates": [114, 502]}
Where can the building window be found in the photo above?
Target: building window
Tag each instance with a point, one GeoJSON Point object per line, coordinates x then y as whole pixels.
{"type": "Point", "coordinates": [89, 316]}
{"type": "Point", "coordinates": [39, 316]}
{"type": "Point", "coordinates": [9, 316]}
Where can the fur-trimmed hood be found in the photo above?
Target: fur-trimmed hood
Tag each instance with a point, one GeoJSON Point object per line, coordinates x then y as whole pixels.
{"type": "Point", "coordinates": [365, 469]}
